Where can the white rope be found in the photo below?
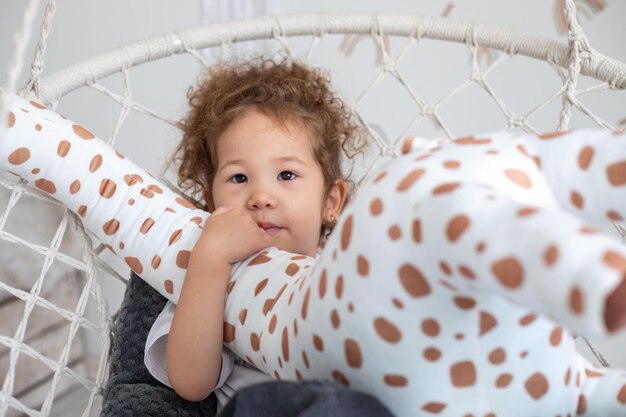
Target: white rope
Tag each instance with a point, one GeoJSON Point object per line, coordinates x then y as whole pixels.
{"type": "Point", "coordinates": [36, 67]}
{"type": "Point", "coordinates": [20, 40]}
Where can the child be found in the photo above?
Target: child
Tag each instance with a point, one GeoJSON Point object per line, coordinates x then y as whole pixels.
{"type": "Point", "coordinates": [263, 143]}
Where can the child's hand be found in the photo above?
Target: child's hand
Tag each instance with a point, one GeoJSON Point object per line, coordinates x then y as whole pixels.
{"type": "Point", "coordinates": [231, 235]}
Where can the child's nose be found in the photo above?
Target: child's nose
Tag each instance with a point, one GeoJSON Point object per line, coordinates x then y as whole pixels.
{"type": "Point", "coordinates": [261, 197]}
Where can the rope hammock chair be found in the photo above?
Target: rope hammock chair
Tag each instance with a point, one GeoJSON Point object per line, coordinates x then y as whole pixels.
{"type": "Point", "coordinates": [61, 367]}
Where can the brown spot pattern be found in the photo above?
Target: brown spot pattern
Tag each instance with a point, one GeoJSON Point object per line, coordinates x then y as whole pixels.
{"type": "Point", "coordinates": [74, 187]}
{"type": "Point", "coordinates": [466, 272]}
{"type": "Point", "coordinates": [376, 207]}
{"type": "Point", "coordinates": [184, 203]}
{"type": "Point", "coordinates": [463, 374]}
{"type": "Point", "coordinates": [576, 300]}
{"type": "Point", "coordinates": [82, 133]}
{"type": "Point", "coordinates": [497, 356]}
{"type": "Point", "coordinates": [259, 287]}
{"type": "Point", "coordinates": [111, 227]}
{"type": "Point", "coordinates": [432, 354]}
{"type": "Point", "coordinates": [396, 380]}
{"type": "Point", "coordinates": [96, 162]}
{"type": "Point", "coordinates": [469, 140]}
{"type": "Point", "coordinates": [146, 225]}
{"type": "Point", "coordinates": [285, 344]}
{"type": "Point", "coordinates": [292, 269]}
{"type": "Point", "coordinates": [261, 258]}
{"type": "Point", "coordinates": [526, 211]}
{"type": "Point", "coordinates": [394, 232]}
{"type": "Point", "coordinates": [182, 259]}
{"type": "Point", "coordinates": [584, 157]}
{"type": "Point", "coordinates": [430, 327]}
{"type": "Point", "coordinates": [410, 179]}
{"type": "Point", "coordinates": [346, 233]}
{"type": "Point", "coordinates": [456, 227]}
{"type": "Point", "coordinates": [555, 336]}
{"type": "Point", "coordinates": [552, 135]}
{"type": "Point", "coordinates": [615, 216]}
{"type": "Point", "coordinates": [621, 395]}
{"type": "Point", "coordinates": [132, 179]}
{"type": "Point", "coordinates": [519, 177]}
{"type": "Point", "coordinates": [134, 264]}
{"type": "Point", "coordinates": [387, 330]}
{"type": "Point", "coordinates": [334, 319]}
{"type": "Point", "coordinates": [362, 266]}
{"type": "Point", "coordinates": [551, 255]}
{"type": "Point", "coordinates": [107, 188]}
{"type": "Point", "coordinates": [339, 287]}
{"type": "Point", "coordinates": [445, 188]}
{"type": "Point", "coordinates": [37, 105]}
{"type": "Point", "coordinates": [413, 281]}
{"type": "Point", "coordinates": [487, 322]}
{"type": "Point", "coordinates": [417, 231]}
{"type": "Point", "coordinates": [305, 303]}
{"type": "Point", "coordinates": [464, 303]}
{"type": "Point", "coordinates": [341, 378]}
{"type": "Point", "coordinates": [318, 343]}
{"type": "Point", "coordinates": [63, 148]}
{"type": "Point", "coordinates": [577, 200]}
{"type": "Point", "coordinates": [536, 385]}
{"type": "Point", "coordinates": [503, 380]}
{"type": "Point", "coordinates": [175, 236]}
{"type": "Point", "coordinates": [509, 272]}
{"type": "Point", "coordinates": [616, 173]}
{"type": "Point", "coordinates": [169, 286]}
{"type": "Point", "coordinates": [615, 260]}
{"type": "Point", "coordinates": [379, 177]}
{"type": "Point", "coordinates": [19, 156]}
{"type": "Point", "coordinates": [354, 357]}
{"type": "Point", "coordinates": [229, 333]}
{"type": "Point", "coordinates": [434, 407]}
{"type": "Point", "coordinates": [323, 284]}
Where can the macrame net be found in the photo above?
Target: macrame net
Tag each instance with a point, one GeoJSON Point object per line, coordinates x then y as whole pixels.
{"type": "Point", "coordinates": [58, 342]}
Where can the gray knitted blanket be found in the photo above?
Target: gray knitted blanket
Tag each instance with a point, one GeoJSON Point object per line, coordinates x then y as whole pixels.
{"type": "Point", "coordinates": [131, 390]}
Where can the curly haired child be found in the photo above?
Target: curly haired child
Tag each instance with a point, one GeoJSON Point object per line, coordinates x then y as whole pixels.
{"type": "Point", "coordinates": [262, 144]}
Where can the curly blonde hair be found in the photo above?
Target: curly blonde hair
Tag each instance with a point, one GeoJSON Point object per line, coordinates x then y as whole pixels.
{"type": "Point", "coordinates": [286, 91]}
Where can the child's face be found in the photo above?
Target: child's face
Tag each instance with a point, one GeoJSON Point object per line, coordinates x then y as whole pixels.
{"type": "Point", "coordinates": [270, 173]}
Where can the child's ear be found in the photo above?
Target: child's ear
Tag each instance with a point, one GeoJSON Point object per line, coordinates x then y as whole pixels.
{"type": "Point", "coordinates": [336, 199]}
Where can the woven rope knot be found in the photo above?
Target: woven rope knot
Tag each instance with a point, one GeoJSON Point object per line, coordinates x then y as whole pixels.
{"type": "Point", "coordinates": [389, 65]}
{"type": "Point", "coordinates": [428, 111]}
{"type": "Point", "coordinates": [515, 121]}
{"type": "Point", "coordinates": [388, 151]}
{"type": "Point", "coordinates": [477, 77]}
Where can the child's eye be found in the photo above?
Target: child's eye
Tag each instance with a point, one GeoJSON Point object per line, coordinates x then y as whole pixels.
{"type": "Point", "coordinates": [287, 176]}
{"type": "Point", "coordinates": [238, 178]}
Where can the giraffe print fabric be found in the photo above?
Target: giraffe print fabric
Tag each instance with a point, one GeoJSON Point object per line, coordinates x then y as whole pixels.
{"type": "Point", "coordinates": [452, 284]}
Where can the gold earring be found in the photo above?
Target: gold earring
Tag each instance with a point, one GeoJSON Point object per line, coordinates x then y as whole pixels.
{"type": "Point", "coordinates": [333, 220]}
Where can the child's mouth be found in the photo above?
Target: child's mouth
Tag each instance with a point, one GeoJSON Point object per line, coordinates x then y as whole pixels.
{"type": "Point", "coordinates": [272, 231]}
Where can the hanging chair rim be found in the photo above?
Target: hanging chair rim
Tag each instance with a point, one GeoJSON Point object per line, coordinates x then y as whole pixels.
{"type": "Point", "coordinates": [99, 66]}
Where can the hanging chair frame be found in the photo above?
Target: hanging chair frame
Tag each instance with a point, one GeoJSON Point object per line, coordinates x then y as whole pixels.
{"type": "Point", "coordinates": [593, 64]}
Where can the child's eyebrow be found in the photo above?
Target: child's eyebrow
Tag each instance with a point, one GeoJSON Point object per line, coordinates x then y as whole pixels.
{"type": "Point", "coordinates": [277, 159]}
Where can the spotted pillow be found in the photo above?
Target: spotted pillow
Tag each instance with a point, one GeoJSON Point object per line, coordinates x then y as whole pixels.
{"type": "Point", "coordinates": [450, 286]}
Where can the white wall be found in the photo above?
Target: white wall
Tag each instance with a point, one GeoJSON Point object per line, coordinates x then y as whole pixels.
{"type": "Point", "coordinates": [82, 28]}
